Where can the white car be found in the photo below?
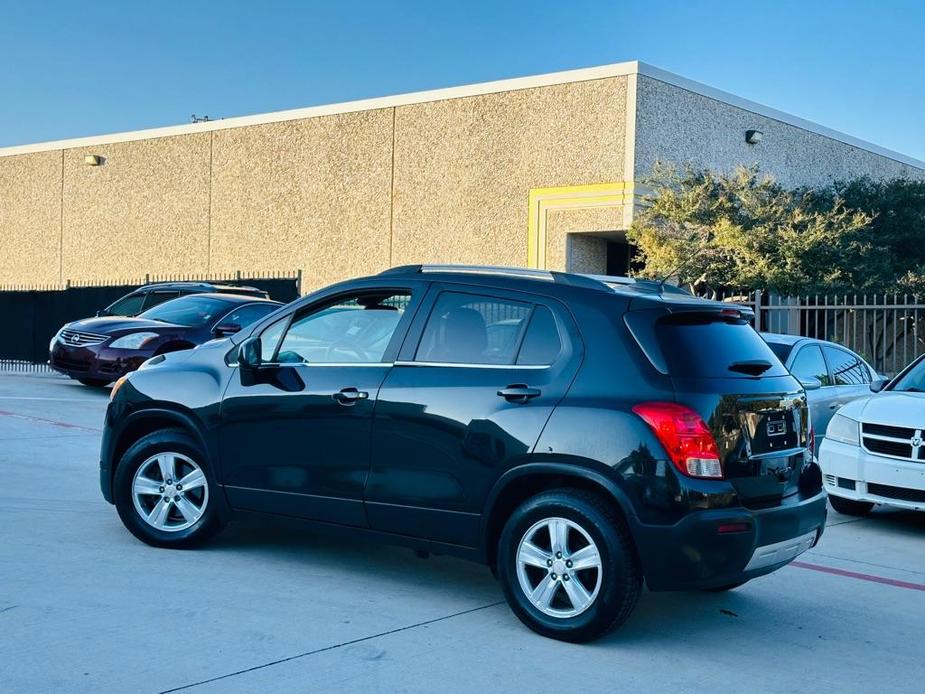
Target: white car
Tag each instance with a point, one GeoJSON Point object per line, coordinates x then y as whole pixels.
{"type": "Point", "coordinates": [874, 448]}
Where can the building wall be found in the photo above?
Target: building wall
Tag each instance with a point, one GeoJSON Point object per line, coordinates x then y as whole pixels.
{"type": "Point", "coordinates": [680, 126]}
{"type": "Point", "coordinates": [310, 194]}
{"type": "Point", "coordinates": [335, 196]}
{"type": "Point", "coordinates": [145, 210]}
{"type": "Point", "coordinates": [30, 218]}
{"type": "Point", "coordinates": [464, 168]}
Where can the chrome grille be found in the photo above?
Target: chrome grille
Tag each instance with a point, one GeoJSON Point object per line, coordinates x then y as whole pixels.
{"type": "Point", "coordinates": [79, 338]}
{"type": "Point", "coordinates": [894, 442]}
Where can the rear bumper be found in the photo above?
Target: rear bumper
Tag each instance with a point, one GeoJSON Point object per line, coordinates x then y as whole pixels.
{"type": "Point", "coordinates": [95, 361]}
{"type": "Point", "coordinates": [695, 554]}
{"type": "Point", "coordinates": [853, 473]}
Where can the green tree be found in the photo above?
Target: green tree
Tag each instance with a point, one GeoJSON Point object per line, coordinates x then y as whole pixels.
{"type": "Point", "coordinates": [744, 230]}
{"type": "Point", "coordinates": [888, 254]}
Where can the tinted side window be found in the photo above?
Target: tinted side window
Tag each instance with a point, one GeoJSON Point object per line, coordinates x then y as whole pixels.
{"type": "Point", "coordinates": [155, 298]}
{"type": "Point", "coordinates": [471, 329]}
{"type": "Point", "coordinates": [847, 368]}
{"type": "Point", "coordinates": [542, 342]}
{"type": "Point", "coordinates": [246, 315]}
{"type": "Point", "coordinates": [127, 306]}
{"type": "Point", "coordinates": [356, 330]}
{"type": "Point", "coordinates": [810, 364]}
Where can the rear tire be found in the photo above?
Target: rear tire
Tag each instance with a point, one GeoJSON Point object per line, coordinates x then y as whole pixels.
{"type": "Point", "coordinates": [165, 493]}
{"type": "Point", "coordinates": [850, 507]}
{"type": "Point", "coordinates": [93, 382]}
{"type": "Point", "coordinates": [545, 588]}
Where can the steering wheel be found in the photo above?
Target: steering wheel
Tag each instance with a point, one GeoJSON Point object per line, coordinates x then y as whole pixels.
{"type": "Point", "coordinates": [340, 347]}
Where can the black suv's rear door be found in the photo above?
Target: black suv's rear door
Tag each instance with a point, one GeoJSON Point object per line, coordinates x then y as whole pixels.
{"type": "Point", "coordinates": [756, 410]}
{"type": "Point", "coordinates": [476, 381]}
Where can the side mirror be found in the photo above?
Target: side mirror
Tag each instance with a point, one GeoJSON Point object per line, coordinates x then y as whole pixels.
{"type": "Point", "coordinates": [102, 312]}
{"type": "Point", "coordinates": [810, 382]}
{"type": "Point", "coordinates": [878, 384]}
{"type": "Point", "coordinates": [226, 329]}
{"type": "Point", "coordinates": [249, 354]}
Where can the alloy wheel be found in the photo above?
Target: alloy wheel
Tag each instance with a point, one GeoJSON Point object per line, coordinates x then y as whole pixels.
{"type": "Point", "coordinates": [170, 491]}
{"type": "Point", "coordinates": [559, 567]}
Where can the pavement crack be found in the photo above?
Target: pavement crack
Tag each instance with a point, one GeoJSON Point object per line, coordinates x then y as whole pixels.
{"type": "Point", "coordinates": [332, 647]}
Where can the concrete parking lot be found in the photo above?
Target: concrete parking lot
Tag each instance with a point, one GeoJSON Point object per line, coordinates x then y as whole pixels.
{"type": "Point", "coordinates": [270, 607]}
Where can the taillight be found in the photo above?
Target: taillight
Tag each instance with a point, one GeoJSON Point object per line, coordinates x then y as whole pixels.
{"type": "Point", "coordinates": [684, 436]}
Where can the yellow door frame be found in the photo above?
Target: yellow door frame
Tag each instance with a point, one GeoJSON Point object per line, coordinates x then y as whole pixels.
{"type": "Point", "coordinates": [541, 200]}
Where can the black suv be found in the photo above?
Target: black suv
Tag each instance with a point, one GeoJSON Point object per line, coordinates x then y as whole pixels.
{"type": "Point", "coordinates": [579, 435]}
{"type": "Point", "coordinates": [150, 295]}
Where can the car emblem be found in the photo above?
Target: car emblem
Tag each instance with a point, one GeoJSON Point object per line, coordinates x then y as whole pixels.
{"type": "Point", "coordinates": [917, 441]}
{"type": "Point", "coordinates": [74, 339]}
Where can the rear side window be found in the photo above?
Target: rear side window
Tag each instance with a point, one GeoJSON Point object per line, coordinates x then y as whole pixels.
{"type": "Point", "coordinates": [542, 342]}
{"type": "Point", "coordinates": [701, 347]}
{"type": "Point", "coordinates": [847, 368]}
{"type": "Point", "coordinates": [127, 306]}
{"type": "Point", "coordinates": [155, 298]}
{"type": "Point", "coordinates": [472, 329]}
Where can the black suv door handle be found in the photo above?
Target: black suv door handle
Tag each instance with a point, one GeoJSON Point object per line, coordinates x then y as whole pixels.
{"type": "Point", "coordinates": [349, 396]}
{"type": "Point", "coordinates": [519, 392]}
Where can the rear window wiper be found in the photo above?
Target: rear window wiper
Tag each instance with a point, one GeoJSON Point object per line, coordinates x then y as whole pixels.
{"type": "Point", "coordinates": [751, 367]}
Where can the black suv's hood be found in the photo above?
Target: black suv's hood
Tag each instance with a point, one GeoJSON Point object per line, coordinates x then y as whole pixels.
{"type": "Point", "coordinates": [116, 325]}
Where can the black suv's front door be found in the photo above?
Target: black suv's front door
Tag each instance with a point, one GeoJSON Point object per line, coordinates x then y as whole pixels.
{"type": "Point", "coordinates": [477, 379]}
{"type": "Point", "coordinates": [295, 439]}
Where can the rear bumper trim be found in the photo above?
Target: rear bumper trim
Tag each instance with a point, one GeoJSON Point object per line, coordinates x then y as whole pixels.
{"type": "Point", "coordinates": [781, 552]}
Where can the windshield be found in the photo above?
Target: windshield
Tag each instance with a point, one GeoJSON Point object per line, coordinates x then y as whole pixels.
{"type": "Point", "coordinates": [914, 380]}
{"type": "Point", "coordinates": [188, 310]}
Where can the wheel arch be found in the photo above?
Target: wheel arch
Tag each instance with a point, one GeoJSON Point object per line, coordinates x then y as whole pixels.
{"type": "Point", "coordinates": [520, 483]}
{"type": "Point", "coordinates": [147, 421]}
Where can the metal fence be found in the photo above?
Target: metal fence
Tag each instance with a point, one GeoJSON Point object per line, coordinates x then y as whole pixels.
{"type": "Point", "coordinates": [888, 330]}
{"type": "Point", "coordinates": [34, 313]}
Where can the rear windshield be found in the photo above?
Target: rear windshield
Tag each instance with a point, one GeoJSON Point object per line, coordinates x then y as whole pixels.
{"type": "Point", "coordinates": [695, 346]}
{"type": "Point", "coordinates": [780, 349]}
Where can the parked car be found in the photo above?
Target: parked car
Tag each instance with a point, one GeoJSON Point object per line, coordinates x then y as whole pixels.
{"type": "Point", "coordinates": [97, 351]}
{"type": "Point", "coordinates": [150, 295]}
{"type": "Point", "coordinates": [832, 375]}
{"type": "Point", "coordinates": [874, 450]}
{"type": "Point", "coordinates": [618, 433]}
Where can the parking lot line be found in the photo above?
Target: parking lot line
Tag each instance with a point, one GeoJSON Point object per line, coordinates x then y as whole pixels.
{"type": "Point", "coordinates": [861, 577]}
{"type": "Point", "coordinates": [52, 422]}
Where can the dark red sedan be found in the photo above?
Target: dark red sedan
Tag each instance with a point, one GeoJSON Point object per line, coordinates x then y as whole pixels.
{"type": "Point", "coordinates": [97, 351]}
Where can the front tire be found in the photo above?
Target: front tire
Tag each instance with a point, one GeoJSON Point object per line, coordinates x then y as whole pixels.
{"type": "Point", "coordinates": [165, 493]}
{"type": "Point", "coordinates": [850, 507]}
{"type": "Point", "coordinates": [567, 565]}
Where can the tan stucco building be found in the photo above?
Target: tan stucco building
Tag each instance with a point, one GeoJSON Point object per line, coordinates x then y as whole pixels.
{"type": "Point", "coordinates": [535, 171]}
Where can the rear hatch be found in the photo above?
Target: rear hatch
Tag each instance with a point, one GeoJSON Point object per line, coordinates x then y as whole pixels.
{"type": "Point", "coordinates": [720, 367]}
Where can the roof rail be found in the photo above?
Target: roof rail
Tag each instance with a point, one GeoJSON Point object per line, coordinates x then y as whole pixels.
{"type": "Point", "coordinates": [566, 278]}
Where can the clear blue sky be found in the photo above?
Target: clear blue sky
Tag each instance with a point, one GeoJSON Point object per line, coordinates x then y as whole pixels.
{"type": "Point", "coordinates": [69, 69]}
